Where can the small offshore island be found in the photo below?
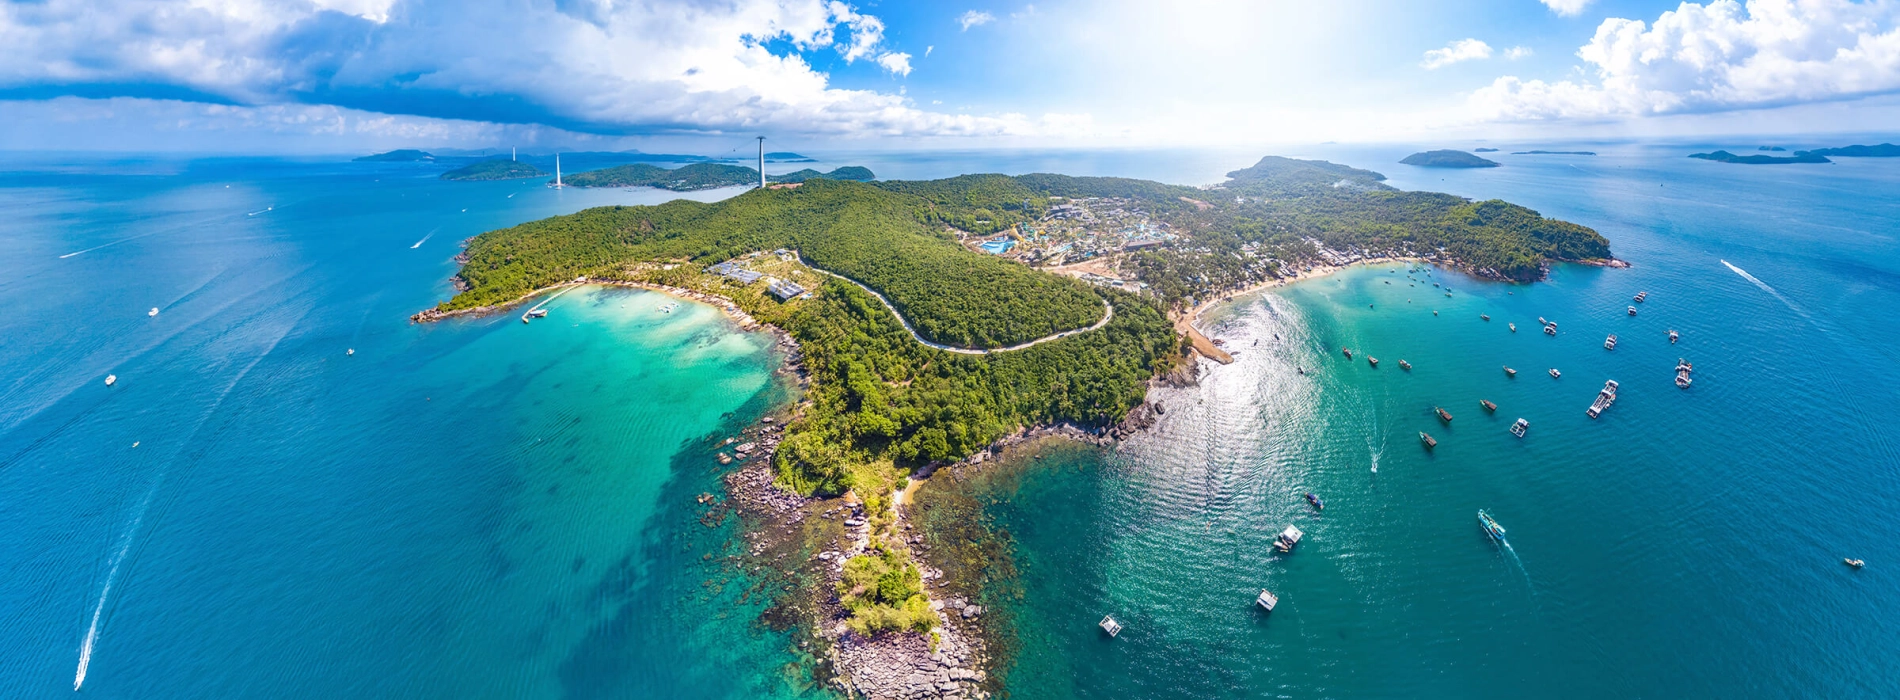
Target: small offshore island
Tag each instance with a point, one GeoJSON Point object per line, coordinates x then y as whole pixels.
{"type": "Point", "coordinates": [495, 170]}
{"type": "Point", "coordinates": [1819, 155]}
{"type": "Point", "coordinates": [1448, 159]}
{"type": "Point", "coordinates": [825, 486]}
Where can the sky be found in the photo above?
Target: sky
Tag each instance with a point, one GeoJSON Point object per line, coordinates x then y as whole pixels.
{"type": "Point", "coordinates": [673, 75]}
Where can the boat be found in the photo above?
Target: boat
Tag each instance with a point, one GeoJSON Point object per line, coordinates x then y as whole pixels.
{"type": "Point", "coordinates": [1640, 296]}
{"type": "Point", "coordinates": [1109, 625]}
{"type": "Point", "coordinates": [1632, 311]}
{"type": "Point", "coordinates": [112, 379]}
{"type": "Point", "coordinates": [538, 313]}
{"type": "Point", "coordinates": [1519, 427]}
{"type": "Point", "coordinates": [1434, 312]}
{"type": "Point", "coordinates": [1486, 317]}
{"type": "Point", "coordinates": [1542, 322]}
{"type": "Point", "coordinates": [1288, 537]}
{"type": "Point", "coordinates": [1372, 360]}
{"type": "Point", "coordinates": [1348, 352]}
{"type": "Point", "coordinates": [1316, 503]}
{"type": "Point", "coordinates": [1610, 342]}
{"type": "Point", "coordinates": [1554, 374]}
{"type": "Point", "coordinates": [1488, 406]}
{"type": "Point", "coordinates": [1267, 600]}
{"type": "Point", "coordinates": [1405, 365]}
{"type": "Point", "coordinates": [1513, 327]}
{"type": "Point", "coordinates": [351, 351]}
{"type": "Point", "coordinates": [1673, 336]}
{"type": "Point", "coordinates": [153, 312]}
{"type": "Point", "coordinates": [1443, 414]}
{"type": "Point", "coordinates": [1683, 368]}
{"type": "Point", "coordinates": [1605, 397]}
{"type": "Point", "coordinates": [1856, 563]}
{"type": "Point", "coordinates": [1510, 372]}
{"type": "Point", "coordinates": [1427, 439]}
{"type": "Point", "coordinates": [1491, 527]}
{"type": "Point", "coordinates": [1550, 329]}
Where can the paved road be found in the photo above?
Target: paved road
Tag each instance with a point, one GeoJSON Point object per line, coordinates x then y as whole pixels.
{"type": "Point", "coordinates": [1107, 315]}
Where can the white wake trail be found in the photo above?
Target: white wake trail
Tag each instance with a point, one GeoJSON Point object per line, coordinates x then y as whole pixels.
{"type": "Point", "coordinates": [1764, 287]}
{"type": "Point", "coordinates": [112, 576]}
{"type": "Point", "coordinates": [425, 238]}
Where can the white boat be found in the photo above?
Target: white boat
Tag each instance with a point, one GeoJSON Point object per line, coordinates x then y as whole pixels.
{"type": "Point", "coordinates": [1267, 599]}
{"type": "Point", "coordinates": [351, 351]}
{"type": "Point", "coordinates": [1288, 537]}
{"type": "Point", "coordinates": [153, 312]}
{"type": "Point", "coordinates": [111, 379]}
{"type": "Point", "coordinates": [1110, 626]}
{"type": "Point", "coordinates": [1519, 427]}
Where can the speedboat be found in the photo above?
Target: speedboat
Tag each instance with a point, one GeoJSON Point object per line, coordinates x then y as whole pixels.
{"type": "Point", "coordinates": [1673, 336]}
{"type": "Point", "coordinates": [1632, 311]}
{"type": "Point", "coordinates": [1554, 374]}
{"type": "Point", "coordinates": [111, 379]}
{"type": "Point", "coordinates": [1486, 317]}
{"type": "Point", "coordinates": [351, 351]}
{"type": "Point", "coordinates": [1491, 527]}
{"type": "Point", "coordinates": [1513, 328]}
{"type": "Point", "coordinates": [1856, 563]}
{"type": "Point", "coordinates": [153, 312]}
{"type": "Point", "coordinates": [1510, 372]}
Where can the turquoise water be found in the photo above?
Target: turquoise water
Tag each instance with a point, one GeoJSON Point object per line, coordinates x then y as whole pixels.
{"type": "Point", "coordinates": [1685, 544]}
{"type": "Point", "coordinates": [472, 508]}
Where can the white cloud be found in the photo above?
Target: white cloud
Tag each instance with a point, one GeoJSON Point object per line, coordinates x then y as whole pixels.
{"type": "Point", "coordinates": [661, 67]}
{"type": "Point", "coordinates": [1027, 12]}
{"type": "Point", "coordinates": [1517, 52]}
{"type": "Point", "coordinates": [1566, 8]}
{"type": "Point", "coordinates": [975, 18]}
{"type": "Point", "coordinates": [896, 63]}
{"type": "Point", "coordinates": [929, 49]}
{"type": "Point", "coordinates": [1454, 52]}
{"type": "Point", "coordinates": [1719, 56]}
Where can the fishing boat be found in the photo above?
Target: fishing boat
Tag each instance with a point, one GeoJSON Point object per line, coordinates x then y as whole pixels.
{"type": "Point", "coordinates": [1554, 374]}
{"type": "Point", "coordinates": [1610, 342]}
{"type": "Point", "coordinates": [1267, 600]}
{"type": "Point", "coordinates": [1491, 527]}
{"type": "Point", "coordinates": [1486, 317]}
{"type": "Point", "coordinates": [1443, 414]}
{"type": "Point", "coordinates": [1348, 352]}
{"type": "Point", "coordinates": [1288, 538]}
{"type": "Point", "coordinates": [1427, 439]}
{"type": "Point", "coordinates": [1109, 625]}
{"type": "Point", "coordinates": [1316, 503]}
{"type": "Point", "coordinates": [1632, 311]}
{"type": "Point", "coordinates": [1510, 372]}
{"type": "Point", "coordinates": [1488, 406]}
{"type": "Point", "coordinates": [112, 379]}
{"type": "Point", "coordinates": [1407, 366]}
{"type": "Point", "coordinates": [1640, 296]}
{"type": "Point", "coordinates": [153, 312]}
{"type": "Point", "coordinates": [1513, 327]}
{"type": "Point", "coordinates": [1673, 336]}
{"type": "Point", "coordinates": [1372, 360]}
{"type": "Point", "coordinates": [1519, 427]}
{"type": "Point", "coordinates": [1856, 563]}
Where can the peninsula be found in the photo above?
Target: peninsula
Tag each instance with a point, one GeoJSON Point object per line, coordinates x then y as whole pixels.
{"type": "Point", "coordinates": [1447, 159]}
{"type": "Point", "coordinates": [1727, 157]}
{"type": "Point", "coordinates": [879, 286]}
{"type": "Point", "coordinates": [403, 155]}
{"type": "Point", "coordinates": [498, 169]}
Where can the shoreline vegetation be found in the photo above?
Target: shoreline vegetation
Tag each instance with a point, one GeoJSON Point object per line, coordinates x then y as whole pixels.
{"type": "Point", "coordinates": [828, 479]}
{"type": "Point", "coordinates": [1448, 159]}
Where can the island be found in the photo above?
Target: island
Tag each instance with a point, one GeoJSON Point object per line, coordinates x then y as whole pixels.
{"type": "Point", "coordinates": [1727, 157]}
{"type": "Point", "coordinates": [1484, 150]}
{"type": "Point", "coordinates": [788, 157]}
{"type": "Point", "coordinates": [397, 156]}
{"type": "Point", "coordinates": [849, 172]}
{"type": "Point", "coordinates": [1771, 148]}
{"type": "Point", "coordinates": [1447, 159]}
{"type": "Point", "coordinates": [918, 351]}
{"type": "Point", "coordinates": [1885, 150]}
{"type": "Point", "coordinates": [497, 169]}
{"type": "Point", "coordinates": [686, 178]}
{"type": "Point", "coordinates": [1553, 153]}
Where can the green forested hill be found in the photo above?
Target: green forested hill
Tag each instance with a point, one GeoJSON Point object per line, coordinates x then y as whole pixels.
{"type": "Point", "coordinates": [698, 176]}
{"type": "Point", "coordinates": [499, 169]}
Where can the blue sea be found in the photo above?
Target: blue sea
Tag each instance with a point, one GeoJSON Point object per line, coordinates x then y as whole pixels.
{"type": "Point", "coordinates": [480, 507]}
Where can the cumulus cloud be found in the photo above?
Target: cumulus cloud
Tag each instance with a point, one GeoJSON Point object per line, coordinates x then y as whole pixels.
{"type": "Point", "coordinates": [975, 18]}
{"type": "Point", "coordinates": [586, 65]}
{"type": "Point", "coordinates": [1719, 56]}
{"type": "Point", "coordinates": [1517, 52]}
{"type": "Point", "coordinates": [1454, 52]}
{"type": "Point", "coordinates": [1566, 8]}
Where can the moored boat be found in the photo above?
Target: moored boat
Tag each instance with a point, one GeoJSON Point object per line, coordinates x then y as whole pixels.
{"type": "Point", "coordinates": [1856, 563]}
{"type": "Point", "coordinates": [1673, 336]}
{"type": "Point", "coordinates": [1610, 342]}
{"type": "Point", "coordinates": [1513, 327]}
{"type": "Point", "coordinates": [1316, 503]}
{"type": "Point", "coordinates": [1267, 600]}
{"type": "Point", "coordinates": [1554, 374]}
{"type": "Point", "coordinates": [1405, 365]}
{"type": "Point", "coordinates": [1488, 406]}
{"type": "Point", "coordinates": [1519, 427]}
{"type": "Point", "coordinates": [1510, 372]}
{"type": "Point", "coordinates": [1109, 625]}
{"type": "Point", "coordinates": [1640, 296]}
{"type": "Point", "coordinates": [1427, 439]}
{"type": "Point", "coordinates": [112, 379]}
{"type": "Point", "coordinates": [1550, 329]}
{"type": "Point", "coordinates": [1372, 360]}
{"type": "Point", "coordinates": [1443, 414]}
{"type": "Point", "coordinates": [1491, 527]}
{"type": "Point", "coordinates": [1632, 311]}
{"type": "Point", "coordinates": [1288, 538]}
{"type": "Point", "coordinates": [1348, 352]}
{"type": "Point", "coordinates": [1486, 317]}
{"type": "Point", "coordinates": [1605, 397]}
{"type": "Point", "coordinates": [1542, 322]}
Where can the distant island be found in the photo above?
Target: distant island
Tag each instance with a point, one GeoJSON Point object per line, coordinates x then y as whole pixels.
{"type": "Point", "coordinates": [788, 157]}
{"type": "Point", "coordinates": [1484, 150]}
{"type": "Point", "coordinates": [1727, 157]}
{"type": "Point", "coordinates": [688, 178]}
{"type": "Point", "coordinates": [497, 169]}
{"type": "Point", "coordinates": [397, 156]}
{"type": "Point", "coordinates": [1447, 159]}
{"type": "Point", "coordinates": [849, 172]}
{"type": "Point", "coordinates": [1818, 155]}
{"type": "Point", "coordinates": [1553, 153]}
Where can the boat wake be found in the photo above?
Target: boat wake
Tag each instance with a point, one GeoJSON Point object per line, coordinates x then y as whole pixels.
{"type": "Point", "coordinates": [105, 245]}
{"type": "Point", "coordinates": [112, 577]}
{"type": "Point", "coordinates": [265, 210]}
{"type": "Point", "coordinates": [1764, 287]}
{"type": "Point", "coordinates": [425, 238]}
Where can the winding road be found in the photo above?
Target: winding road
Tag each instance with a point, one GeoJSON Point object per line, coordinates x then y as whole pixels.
{"type": "Point", "coordinates": [1107, 316]}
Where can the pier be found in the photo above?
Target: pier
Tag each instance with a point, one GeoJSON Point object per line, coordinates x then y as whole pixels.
{"type": "Point", "coordinates": [537, 312]}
